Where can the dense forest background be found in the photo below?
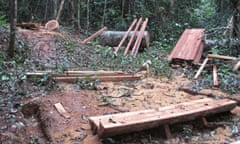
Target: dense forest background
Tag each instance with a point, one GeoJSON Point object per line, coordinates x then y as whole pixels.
{"type": "Point", "coordinates": [167, 17]}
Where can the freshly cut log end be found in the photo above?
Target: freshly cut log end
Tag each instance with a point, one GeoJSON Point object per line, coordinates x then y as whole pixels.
{"type": "Point", "coordinates": [52, 25]}
{"type": "Point", "coordinates": [113, 38]}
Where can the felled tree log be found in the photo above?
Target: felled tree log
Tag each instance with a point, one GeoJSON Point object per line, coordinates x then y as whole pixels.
{"type": "Point", "coordinates": [52, 25]}
{"type": "Point", "coordinates": [113, 38]}
{"type": "Point", "coordinates": [32, 26]}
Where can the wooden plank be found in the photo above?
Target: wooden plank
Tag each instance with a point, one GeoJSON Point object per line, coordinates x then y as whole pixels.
{"type": "Point", "coordinates": [201, 68]}
{"type": "Point", "coordinates": [125, 36]}
{"type": "Point", "coordinates": [93, 36]}
{"type": "Point", "coordinates": [59, 107]}
{"type": "Point", "coordinates": [116, 124]}
{"type": "Point", "coordinates": [221, 57]}
{"type": "Point", "coordinates": [126, 77]}
{"type": "Point", "coordinates": [74, 73]}
{"type": "Point", "coordinates": [215, 76]}
{"type": "Point", "coordinates": [133, 35]}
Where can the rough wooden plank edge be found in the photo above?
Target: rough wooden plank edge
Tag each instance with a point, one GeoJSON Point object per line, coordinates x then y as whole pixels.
{"type": "Point", "coordinates": [100, 78]}
{"type": "Point", "coordinates": [120, 129]}
{"type": "Point", "coordinates": [201, 68]}
{"type": "Point", "coordinates": [59, 107]}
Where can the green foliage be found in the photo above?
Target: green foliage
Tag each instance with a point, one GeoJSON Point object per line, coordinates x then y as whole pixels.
{"type": "Point", "coordinates": [2, 20]}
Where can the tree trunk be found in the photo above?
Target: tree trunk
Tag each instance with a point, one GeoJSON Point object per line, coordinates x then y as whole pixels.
{"type": "Point", "coordinates": [13, 21]}
{"type": "Point", "coordinates": [113, 38]}
{"type": "Point", "coordinates": [60, 10]}
{"type": "Point", "coordinates": [79, 15]}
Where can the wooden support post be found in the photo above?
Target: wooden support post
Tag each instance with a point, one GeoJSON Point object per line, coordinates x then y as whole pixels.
{"type": "Point", "coordinates": [201, 68]}
{"type": "Point", "coordinates": [125, 36]}
{"type": "Point", "coordinates": [99, 32]}
{"type": "Point", "coordinates": [204, 121]}
{"type": "Point", "coordinates": [133, 35]}
{"type": "Point", "coordinates": [215, 76]}
{"type": "Point", "coordinates": [168, 132]}
{"type": "Point", "coordinates": [221, 57]}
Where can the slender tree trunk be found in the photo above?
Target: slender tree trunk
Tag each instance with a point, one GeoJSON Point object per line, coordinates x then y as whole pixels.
{"type": "Point", "coordinates": [104, 12]}
{"type": "Point", "coordinates": [13, 21]}
{"type": "Point", "coordinates": [88, 13]}
{"type": "Point", "coordinates": [79, 15]}
{"type": "Point", "coordinates": [60, 10]}
{"type": "Point", "coordinates": [46, 11]}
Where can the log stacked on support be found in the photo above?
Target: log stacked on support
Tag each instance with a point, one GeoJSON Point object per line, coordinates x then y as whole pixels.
{"type": "Point", "coordinates": [115, 124]}
{"type": "Point", "coordinates": [113, 38]}
{"type": "Point", "coordinates": [116, 38]}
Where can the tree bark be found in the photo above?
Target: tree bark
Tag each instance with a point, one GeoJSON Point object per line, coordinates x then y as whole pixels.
{"type": "Point", "coordinates": [13, 21]}
{"type": "Point", "coordinates": [113, 38]}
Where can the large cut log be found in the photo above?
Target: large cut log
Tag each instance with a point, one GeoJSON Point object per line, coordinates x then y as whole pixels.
{"type": "Point", "coordinates": [113, 38]}
{"type": "Point", "coordinates": [115, 124]}
{"type": "Point", "coordinates": [32, 26]}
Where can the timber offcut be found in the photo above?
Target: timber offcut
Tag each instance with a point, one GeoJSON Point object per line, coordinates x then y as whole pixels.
{"type": "Point", "coordinates": [116, 124]}
{"type": "Point", "coordinates": [189, 47]}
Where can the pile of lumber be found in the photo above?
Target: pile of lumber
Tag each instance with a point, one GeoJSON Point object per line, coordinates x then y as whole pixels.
{"type": "Point", "coordinates": [215, 75]}
{"type": "Point", "coordinates": [118, 38]}
{"type": "Point", "coordinates": [116, 124]}
{"type": "Point", "coordinates": [189, 47]}
{"type": "Point", "coordinates": [73, 76]}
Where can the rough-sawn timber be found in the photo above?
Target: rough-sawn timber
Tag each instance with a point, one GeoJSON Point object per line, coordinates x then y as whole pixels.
{"type": "Point", "coordinates": [116, 124]}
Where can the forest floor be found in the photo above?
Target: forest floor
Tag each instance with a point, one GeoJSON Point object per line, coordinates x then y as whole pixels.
{"type": "Point", "coordinates": [28, 115]}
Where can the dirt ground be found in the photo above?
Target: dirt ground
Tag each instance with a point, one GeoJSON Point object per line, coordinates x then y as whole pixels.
{"type": "Point", "coordinates": [37, 120]}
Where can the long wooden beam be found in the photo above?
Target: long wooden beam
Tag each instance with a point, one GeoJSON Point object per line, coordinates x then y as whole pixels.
{"type": "Point", "coordinates": [133, 35]}
{"type": "Point", "coordinates": [125, 36]}
{"type": "Point", "coordinates": [215, 76]}
{"type": "Point", "coordinates": [100, 78]}
{"type": "Point", "coordinates": [140, 37]}
{"type": "Point", "coordinates": [74, 73]}
{"type": "Point", "coordinates": [221, 57]}
{"type": "Point", "coordinates": [201, 68]}
{"type": "Point", "coordinates": [93, 36]}
{"type": "Point", "coordinates": [115, 124]}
